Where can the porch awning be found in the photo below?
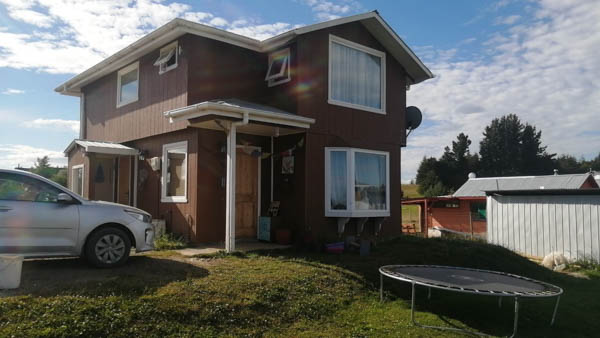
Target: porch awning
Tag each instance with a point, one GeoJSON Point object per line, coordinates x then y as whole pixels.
{"type": "Point", "coordinates": [262, 118]}
{"type": "Point", "coordinates": [102, 148]}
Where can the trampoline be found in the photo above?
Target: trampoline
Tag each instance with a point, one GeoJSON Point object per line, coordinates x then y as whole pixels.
{"type": "Point", "coordinates": [473, 281]}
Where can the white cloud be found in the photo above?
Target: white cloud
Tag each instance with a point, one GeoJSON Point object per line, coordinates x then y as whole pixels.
{"type": "Point", "coordinates": [31, 17]}
{"type": "Point", "coordinates": [71, 35]}
{"type": "Point", "coordinates": [12, 91]}
{"type": "Point", "coordinates": [53, 124]}
{"type": "Point", "coordinates": [330, 10]}
{"type": "Point", "coordinates": [545, 70]}
{"type": "Point", "coordinates": [508, 20]}
{"type": "Point", "coordinates": [13, 155]}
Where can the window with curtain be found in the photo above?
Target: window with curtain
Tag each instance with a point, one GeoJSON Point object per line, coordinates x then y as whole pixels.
{"type": "Point", "coordinates": [356, 183]}
{"type": "Point", "coordinates": [370, 185]}
{"type": "Point", "coordinates": [338, 182]}
{"type": "Point", "coordinates": [357, 76]}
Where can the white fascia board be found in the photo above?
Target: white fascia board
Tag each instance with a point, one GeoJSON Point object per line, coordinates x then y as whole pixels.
{"type": "Point", "coordinates": [211, 108]}
{"type": "Point", "coordinates": [403, 45]}
{"type": "Point", "coordinates": [111, 151]}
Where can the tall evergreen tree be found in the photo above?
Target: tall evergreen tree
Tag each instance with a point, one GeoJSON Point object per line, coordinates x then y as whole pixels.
{"type": "Point", "coordinates": [510, 148]}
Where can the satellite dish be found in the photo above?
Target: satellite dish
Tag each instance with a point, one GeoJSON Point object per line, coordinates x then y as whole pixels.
{"type": "Point", "coordinates": [413, 118]}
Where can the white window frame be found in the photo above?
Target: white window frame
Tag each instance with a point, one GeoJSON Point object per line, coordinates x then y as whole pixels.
{"type": "Point", "coordinates": [120, 73]}
{"type": "Point", "coordinates": [164, 168]}
{"type": "Point", "coordinates": [278, 79]}
{"type": "Point", "coordinates": [166, 49]}
{"type": "Point", "coordinates": [350, 184]}
{"type": "Point", "coordinates": [365, 49]}
{"type": "Point", "coordinates": [73, 177]}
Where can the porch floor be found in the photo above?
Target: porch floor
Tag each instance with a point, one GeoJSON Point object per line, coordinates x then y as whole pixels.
{"type": "Point", "coordinates": [243, 246]}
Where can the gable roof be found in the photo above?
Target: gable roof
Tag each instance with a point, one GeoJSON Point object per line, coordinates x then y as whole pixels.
{"type": "Point", "coordinates": [478, 186]}
{"type": "Point", "coordinates": [101, 147]}
{"type": "Point", "coordinates": [372, 21]}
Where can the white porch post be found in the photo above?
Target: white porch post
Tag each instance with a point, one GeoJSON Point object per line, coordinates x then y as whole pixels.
{"type": "Point", "coordinates": [135, 179]}
{"type": "Point", "coordinates": [230, 192]}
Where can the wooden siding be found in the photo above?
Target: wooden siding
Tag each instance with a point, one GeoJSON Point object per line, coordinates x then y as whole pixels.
{"type": "Point", "coordinates": [181, 218]}
{"type": "Point", "coordinates": [218, 70]}
{"type": "Point", "coordinates": [338, 126]}
{"type": "Point", "coordinates": [157, 93]}
{"type": "Point", "coordinates": [457, 219]}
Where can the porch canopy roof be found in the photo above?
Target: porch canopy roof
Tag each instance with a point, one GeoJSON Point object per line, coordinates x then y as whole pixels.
{"type": "Point", "coordinates": [108, 148]}
{"type": "Point", "coordinates": [260, 119]}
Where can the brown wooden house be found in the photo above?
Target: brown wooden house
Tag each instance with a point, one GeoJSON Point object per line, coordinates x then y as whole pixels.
{"type": "Point", "coordinates": [204, 128]}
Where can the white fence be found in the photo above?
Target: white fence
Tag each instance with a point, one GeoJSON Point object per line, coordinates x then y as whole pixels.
{"type": "Point", "coordinates": [539, 225]}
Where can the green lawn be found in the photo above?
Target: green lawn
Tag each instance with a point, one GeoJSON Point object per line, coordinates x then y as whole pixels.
{"type": "Point", "coordinates": [410, 191]}
{"type": "Point", "coordinates": [284, 293]}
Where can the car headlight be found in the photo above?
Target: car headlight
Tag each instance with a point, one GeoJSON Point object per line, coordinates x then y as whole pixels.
{"type": "Point", "coordinates": [139, 216]}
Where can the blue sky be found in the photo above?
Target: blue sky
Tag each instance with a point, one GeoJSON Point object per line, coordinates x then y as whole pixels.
{"type": "Point", "coordinates": [533, 58]}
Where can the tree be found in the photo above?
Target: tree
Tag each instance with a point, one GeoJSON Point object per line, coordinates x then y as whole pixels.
{"type": "Point", "coordinates": [428, 180]}
{"type": "Point", "coordinates": [510, 148]}
{"type": "Point", "coordinates": [456, 163]}
{"type": "Point", "coordinates": [60, 177]}
{"type": "Point", "coordinates": [42, 167]}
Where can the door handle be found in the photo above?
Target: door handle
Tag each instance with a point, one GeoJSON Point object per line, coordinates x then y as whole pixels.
{"type": "Point", "coordinates": [4, 209]}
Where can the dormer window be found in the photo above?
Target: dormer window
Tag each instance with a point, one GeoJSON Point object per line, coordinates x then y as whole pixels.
{"type": "Point", "coordinates": [279, 67]}
{"type": "Point", "coordinates": [167, 59]}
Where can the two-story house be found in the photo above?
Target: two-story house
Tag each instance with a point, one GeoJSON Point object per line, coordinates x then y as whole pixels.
{"type": "Point", "coordinates": [204, 128]}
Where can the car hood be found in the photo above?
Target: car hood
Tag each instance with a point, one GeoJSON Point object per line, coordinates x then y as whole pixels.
{"type": "Point", "coordinates": [117, 205]}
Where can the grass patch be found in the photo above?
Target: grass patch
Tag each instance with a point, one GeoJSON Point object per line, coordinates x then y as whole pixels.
{"type": "Point", "coordinates": [169, 241]}
{"type": "Point", "coordinates": [410, 191]}
{"type": "Point", "coordinates": [293, 294]}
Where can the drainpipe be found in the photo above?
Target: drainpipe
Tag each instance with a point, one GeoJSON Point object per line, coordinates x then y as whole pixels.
{"type": "Point", "coordinates": [230, 191]}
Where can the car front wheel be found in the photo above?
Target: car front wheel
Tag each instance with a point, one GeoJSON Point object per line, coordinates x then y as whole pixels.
{"type": "Point", "coordinates": [108, 247]}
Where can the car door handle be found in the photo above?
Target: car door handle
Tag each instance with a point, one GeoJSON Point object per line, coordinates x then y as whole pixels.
{"type": "Point", "coordinates": [4, 209]}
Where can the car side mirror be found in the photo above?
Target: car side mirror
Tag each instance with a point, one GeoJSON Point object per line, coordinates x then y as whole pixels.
{"type": "Point", "coordinates": [64, 198]}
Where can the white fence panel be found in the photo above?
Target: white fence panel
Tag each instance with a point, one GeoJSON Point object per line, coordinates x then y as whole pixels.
{"type": "Point", "coordinates": [539, 225]}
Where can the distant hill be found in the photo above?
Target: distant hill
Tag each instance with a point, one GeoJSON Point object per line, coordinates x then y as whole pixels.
{"type": "Point", "coordinates": [410, 191]}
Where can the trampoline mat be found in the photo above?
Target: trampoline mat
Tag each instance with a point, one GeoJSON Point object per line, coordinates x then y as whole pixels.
{"type": "Point", "coordinates": [471, 280]}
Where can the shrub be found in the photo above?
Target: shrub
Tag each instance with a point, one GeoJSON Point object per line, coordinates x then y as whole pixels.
{"type": "Point", "coordinates": [169, 242]}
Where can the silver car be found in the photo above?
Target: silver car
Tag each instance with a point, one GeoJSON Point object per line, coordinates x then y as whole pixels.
{"type": "Point", "coordinates": [39, 218]}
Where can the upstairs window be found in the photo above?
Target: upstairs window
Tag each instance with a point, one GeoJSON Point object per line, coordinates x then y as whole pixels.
{"type": "Point", "coordinates": [128, 84]}
{"type": "Point", "coordinates": [279, 67]}
{"type": "Point", "coordinates": [356, 76]}
{"type": "Point", "coordinates": [356, 183]}
{"type": "Point", "coordinates": [168, 58]}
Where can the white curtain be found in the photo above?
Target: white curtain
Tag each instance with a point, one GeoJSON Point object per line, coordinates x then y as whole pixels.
{"type": "Point", "coordinates": [338, 180]}
{"type": "Point", "coordinates": [355, 76]}
{"type": "Point", "coordinates": [370, 181]}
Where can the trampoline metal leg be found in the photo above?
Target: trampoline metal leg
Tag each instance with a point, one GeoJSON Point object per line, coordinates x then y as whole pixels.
{"type": "Point", "coordinates": [555, 309]}
{"type": "Point", "coordinates": [412, 318]}
{"type": "Point", "coordinates": [381, 287]}
{"type": "Point", "coordinates": [516, 322]}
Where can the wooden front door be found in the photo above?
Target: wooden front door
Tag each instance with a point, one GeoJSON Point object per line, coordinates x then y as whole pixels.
{"type": "Point", "coordinates": [124, 180]}
{"type": "Point", "coordinates": [246, 195]}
